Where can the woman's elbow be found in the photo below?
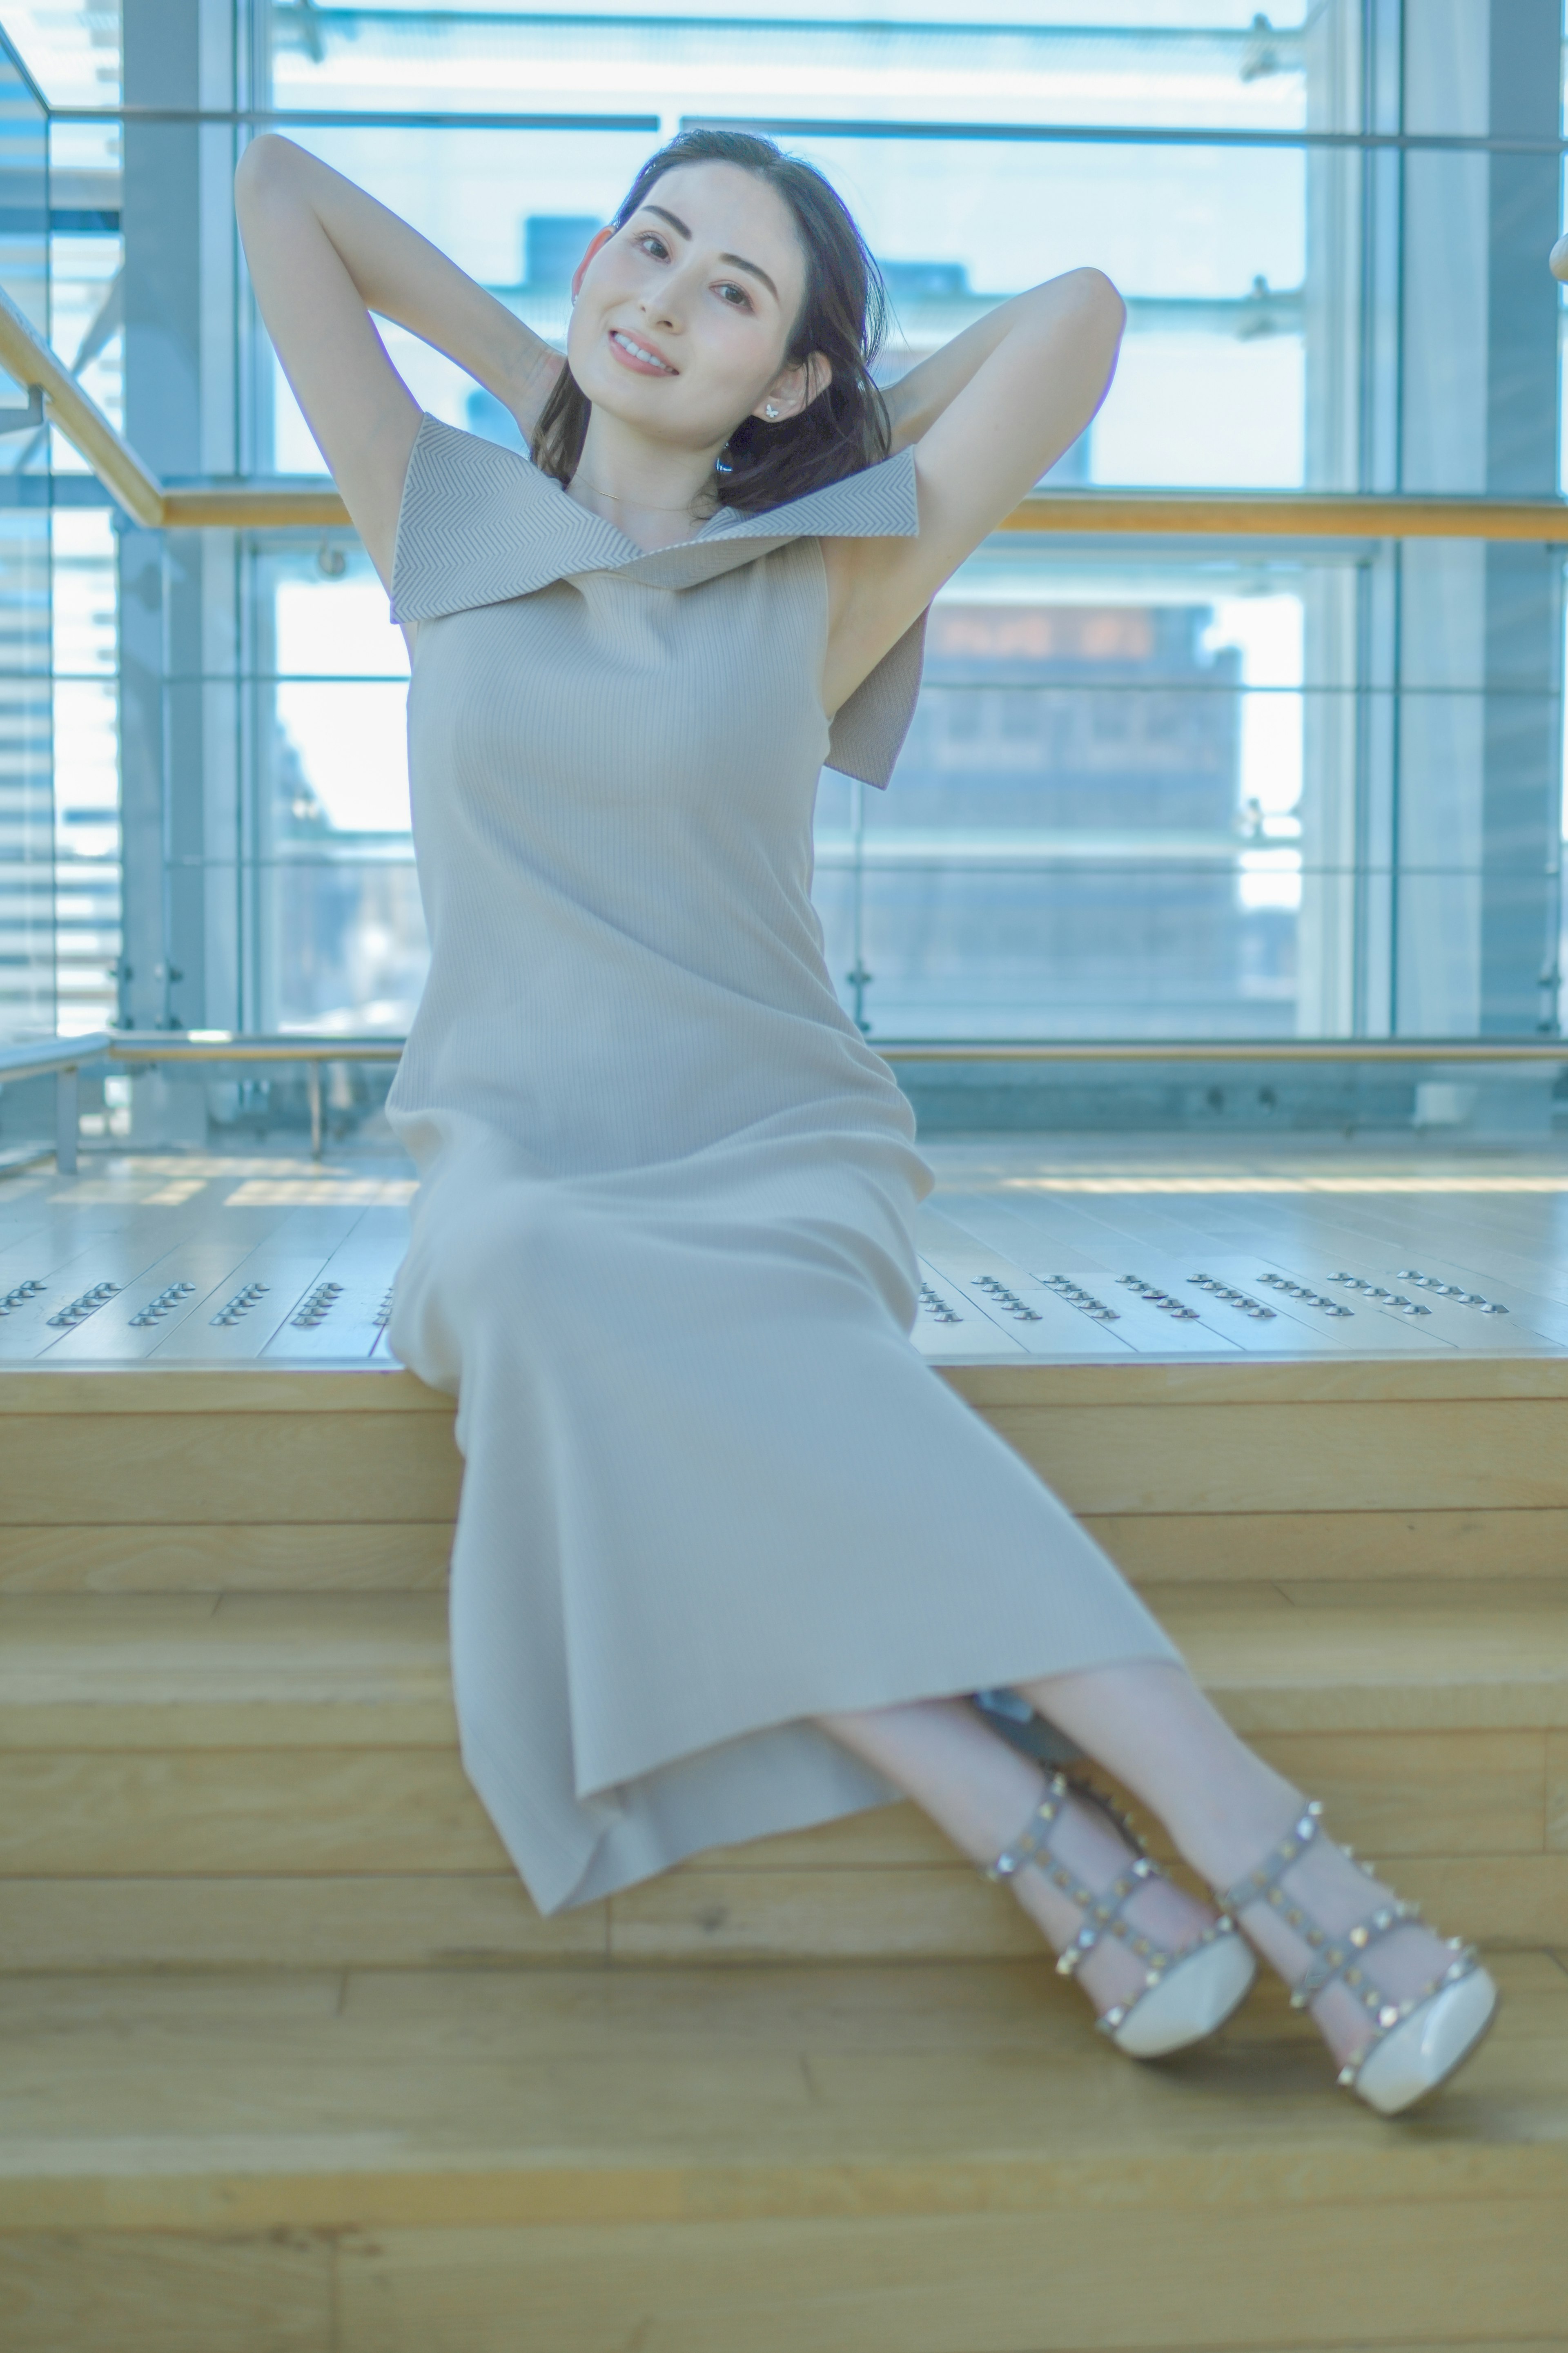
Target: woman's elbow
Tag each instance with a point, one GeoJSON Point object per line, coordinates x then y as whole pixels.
{"type": "Point", "coordinates": [1099, 298]}
{"type": "Point", "coordinates": [269, 164]}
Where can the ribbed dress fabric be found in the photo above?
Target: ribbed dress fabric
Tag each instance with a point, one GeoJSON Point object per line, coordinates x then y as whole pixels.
{"type": "Point", "coordinates": [662, 1249]}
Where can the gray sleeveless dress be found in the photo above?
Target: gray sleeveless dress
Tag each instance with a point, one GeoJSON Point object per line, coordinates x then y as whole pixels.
{"type": "Point", "coordinates": [662, 1246]}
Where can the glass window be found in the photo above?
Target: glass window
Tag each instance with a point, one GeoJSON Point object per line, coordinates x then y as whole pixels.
{"type": "Point", "coordinates": [1155, 787]}
{"type": "Point", "coordinates": [27, 975]}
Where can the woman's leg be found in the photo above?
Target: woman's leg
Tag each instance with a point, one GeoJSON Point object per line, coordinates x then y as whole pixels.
{"type": "Point", "coordinates": [1148, 1723]}
{"type": "Point", "coordinates": [982, 1791]}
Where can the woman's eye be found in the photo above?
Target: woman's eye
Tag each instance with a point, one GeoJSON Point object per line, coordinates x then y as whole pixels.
{"type": "Point", "coordinates": [651, 243]}
{"type": "Point", "coordinates": [737, 296]}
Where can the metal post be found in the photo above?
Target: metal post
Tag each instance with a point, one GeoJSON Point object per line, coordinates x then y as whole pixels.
{"type": "Point", "coordinates": [1522, 801]}
{"type": "Point", "coordinates": [65, 1120]}
{"type": "Point", "coordinates": [313, 1087]}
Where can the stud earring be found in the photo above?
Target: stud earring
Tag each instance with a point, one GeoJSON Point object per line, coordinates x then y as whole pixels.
{"type": "Point", "coordinates": [770, 410]}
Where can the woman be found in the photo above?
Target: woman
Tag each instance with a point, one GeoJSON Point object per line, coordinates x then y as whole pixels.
{"type": "Point", "coordinates": [729, 1556]}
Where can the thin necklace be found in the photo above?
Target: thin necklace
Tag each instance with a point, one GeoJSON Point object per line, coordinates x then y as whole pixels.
{"type": "Point", "coordinates": [646, 505]}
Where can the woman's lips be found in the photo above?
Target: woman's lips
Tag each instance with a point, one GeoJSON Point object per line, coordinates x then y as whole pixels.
{"type": "Point", "coordinates": [640, 357]}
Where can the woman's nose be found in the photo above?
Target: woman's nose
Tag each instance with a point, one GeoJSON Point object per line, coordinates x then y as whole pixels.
{"type": "Point", "coordinates": [665, 303]}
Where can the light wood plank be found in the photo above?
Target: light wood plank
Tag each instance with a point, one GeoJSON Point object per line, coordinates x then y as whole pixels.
{"type": "Point", "coordinates": [1256, 1458]}
{"type": "Point", "coordinates": [1492, 1597]}
{"type": "Point", "coordinates": [719, 1913]}
{"type": "Point", "coordinates": [1389, 1794]}
{"type": "Point", "coordinates": [479, 1919]}
{"type": "Point", "coordinates": [380, 1557]}
{"type": "Point", "coordinates": [27, 1390]}
{"type": "Point", "coordinates": [230, 1671]}
{"type": "Point", "coordinates": [370, 1387]}
{"type": "Point", "coordinates": [131, 2292]}
{"type": "Point", "coordinates": [216, 1468]}
{"type": "Point", "coordinates": [1438, 1793]}
{"type": "Point", "coordinates": [256, 1670]}
{"type": "Point", "coordinates": [552, 2097]}
{"type": "Point", "coordinates": [957, 2014]}
{"type": "Point", "coordinates": [1183, 1449]}
{"type": "Point", "coordinates": [938, 1915]}
{"type": "Point", "coordinates": [929, 1913]}
{"type": "Point", "coordinates": [295, 1813]}
{"type": "Point", "coordinates": [979, 2284]}
{"type": "Point", "coordinates": [1318, 1380]}
{"type": "Point", "coordinates": [1493, 1900]}
{"type": "Point", "coordinates": [1163, 1548]}
{"type": "Point", "coordinates": [1373, 1669]}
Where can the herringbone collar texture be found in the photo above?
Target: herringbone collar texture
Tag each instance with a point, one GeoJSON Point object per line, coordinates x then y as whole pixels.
{"type": "Point", "coordinates": [480, 523]}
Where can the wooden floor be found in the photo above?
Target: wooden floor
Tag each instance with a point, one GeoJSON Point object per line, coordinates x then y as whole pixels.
{"type": "Point", "coordinates": [1031, 1252]}
{"type": "Point", "coordinates": [289, 2065]}
{"type": "Point", "coordinates": [780, 2161]}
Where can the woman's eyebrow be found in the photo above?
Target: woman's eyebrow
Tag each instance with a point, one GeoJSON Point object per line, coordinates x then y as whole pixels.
{"type": "Point", "coordinates": [734, 259]}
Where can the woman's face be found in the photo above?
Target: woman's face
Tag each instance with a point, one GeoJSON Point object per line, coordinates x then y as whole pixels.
{"type": "Point", "coordinates": [684, 315]}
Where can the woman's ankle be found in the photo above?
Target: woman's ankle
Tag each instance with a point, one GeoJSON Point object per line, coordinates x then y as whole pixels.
{"type": "Point", "coordinates": [1223, 1840]}
{"type": "Point", "coordinates": [1088, 1846]}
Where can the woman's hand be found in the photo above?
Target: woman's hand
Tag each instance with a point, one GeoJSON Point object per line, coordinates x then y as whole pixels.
{"type": "Point", "coordinates": [987, 415]}
{"type": "Point", "coordinates": [323, 255]}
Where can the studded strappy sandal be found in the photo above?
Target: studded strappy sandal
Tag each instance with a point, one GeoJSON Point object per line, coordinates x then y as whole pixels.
{"type": "Point", "coordinates": [1186, 1994]}
{"type": "Point", "coordinates": [1412, 2045]}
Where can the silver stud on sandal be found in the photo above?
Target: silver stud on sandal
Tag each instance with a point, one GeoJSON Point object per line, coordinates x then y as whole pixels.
{"type": "Point", "coordinates": [1414, 2044]}
{"type": "Point", "coordinates": [1187, 1994]}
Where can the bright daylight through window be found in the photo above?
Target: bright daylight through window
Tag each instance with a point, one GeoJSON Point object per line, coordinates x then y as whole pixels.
{"type": "Point", "coordinates": [1157, 787]}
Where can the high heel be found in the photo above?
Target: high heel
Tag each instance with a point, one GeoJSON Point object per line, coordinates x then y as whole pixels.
{"type": "Point", "coordinates": [1187, 1994]}
{"type": "Point", "coordinates": [1415, 2044]}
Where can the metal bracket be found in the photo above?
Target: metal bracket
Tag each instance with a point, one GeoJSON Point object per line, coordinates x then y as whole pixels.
{"type": "Point", "coordinates": [24, 421]}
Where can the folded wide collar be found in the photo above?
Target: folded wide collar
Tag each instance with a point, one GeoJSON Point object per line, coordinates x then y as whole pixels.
{"type": "Point", "coordinates": [480, 524]}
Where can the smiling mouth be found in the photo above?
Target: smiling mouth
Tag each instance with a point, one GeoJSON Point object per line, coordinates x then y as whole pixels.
{"type": "Point", "coordinates": [638, 355]}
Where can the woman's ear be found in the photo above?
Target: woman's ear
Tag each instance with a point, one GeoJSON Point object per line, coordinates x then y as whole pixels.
{"type": "Point", "coordinates": [603, 238]}
{"type": "Point", "coordinates": [795, 389]}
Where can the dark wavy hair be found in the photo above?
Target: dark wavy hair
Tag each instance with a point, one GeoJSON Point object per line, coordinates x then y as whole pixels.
{"type": "Point", "coordinates": [843, 316]}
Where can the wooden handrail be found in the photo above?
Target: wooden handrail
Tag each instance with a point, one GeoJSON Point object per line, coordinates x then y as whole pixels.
{"type": "Point", "coordinates": [1288, 514]}
{"type": "Point", "coordinates": [1203, 515]}
{"type": "Point", "coordinates": [1197, 514]}
{"type": "Point", "coordinates": [253, 506]}
{"type": "Point", "coordinates": [142, 1048]}
{"type": "Point", "coordinates": [27, 357]}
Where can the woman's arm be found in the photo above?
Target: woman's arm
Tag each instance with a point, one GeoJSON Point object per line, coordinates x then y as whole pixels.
{"type": "Point", "coordinates": [987, 415]}
{"type": "Point", "coordinates": [918, 398]}
{"type": "Point", "coordinates": [322, 257]}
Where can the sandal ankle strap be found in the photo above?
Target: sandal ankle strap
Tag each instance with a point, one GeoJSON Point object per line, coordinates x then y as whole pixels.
{"type": "Point", "coordinates": [1103, 1913]}
{"type": "Point", "coordinates": [1034, 1839]}
{"type": "Point", "coordinates": [1340, 1956]}
{"type": "Point", "coordinates": [1261, 1886]}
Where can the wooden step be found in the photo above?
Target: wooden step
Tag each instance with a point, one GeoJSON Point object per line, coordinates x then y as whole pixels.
{"type": "Point", "coordinates": [242, 1479]}
{"type": "Point", "coordinates": [935, 2159]}
{"type": "Point", "coordinates": [275, 2078]}
{"type": "Point", "coordinates": [236, 1777]}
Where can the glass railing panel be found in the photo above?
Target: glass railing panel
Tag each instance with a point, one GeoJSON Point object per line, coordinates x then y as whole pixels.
{"type": "Point", "coordinates": [344, 935]}
{"type": "Point", "coordinates": [1261, 792]}
{"type": "Point", "coordinates": [1151, 789]}
{"type": "Point", "coordinates": [27, 979]}
{"type": "Point", "coordinates": [89, 874]}
{"type": "Point", "coordinates": [336, 905]}
{"type": "Point", "coordinates": [1209, 796]}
